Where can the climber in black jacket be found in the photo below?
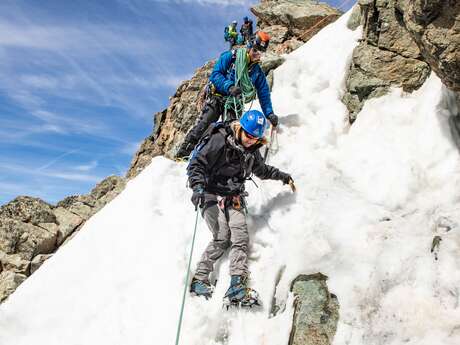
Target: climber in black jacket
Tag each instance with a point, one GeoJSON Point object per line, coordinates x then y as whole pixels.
{"type": "Point", "coordinates": [222, 162]}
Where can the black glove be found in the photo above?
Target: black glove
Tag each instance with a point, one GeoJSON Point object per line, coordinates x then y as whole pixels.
{"type": "Point", "coordinates": [286, 178]}
{"type": "Point", "coordinates": [273, 119]}
{"type": "Point", "coordinates": [198, 196]}
{"type": "Point", "coordinates": [234, 91]}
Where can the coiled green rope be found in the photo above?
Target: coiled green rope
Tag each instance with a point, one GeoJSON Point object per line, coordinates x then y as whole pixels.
{"type": "Point", "coordinates": [242, 80]}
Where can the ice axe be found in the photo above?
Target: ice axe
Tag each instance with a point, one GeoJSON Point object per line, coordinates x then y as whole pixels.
{"type": "Point", "coordinates": [269, 147]}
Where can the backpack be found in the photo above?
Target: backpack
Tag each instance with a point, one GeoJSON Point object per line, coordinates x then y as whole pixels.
{"type": "Point", "coordinates": [212, 129]}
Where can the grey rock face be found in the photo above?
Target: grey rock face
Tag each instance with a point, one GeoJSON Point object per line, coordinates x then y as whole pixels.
{"type": "Point", "coordinates": [316, 311]}
{"type": "Point", "coordinates": [387, 56]}
{"type": "Point", "coordinates": [355, 18]}
{"type": "Point", "coordinates": [435, 27]}
{"type": "Point", "coordinates": [38, 261]}
{"type": "Point", "coordinates": [68, 222]}
{"type": "Point", "coordinates": [173, 123]}
{"type": "Point", "coordinates": [296, 15]}
{"type": "Point", "coordinates": [292, 22]}
{"type": "Point", "coordinates": [28, 210]}
{"type": "Point", "coordinates": [14, 263]}
{"type": "Point", "coordinates": [85, 206]}
{"type": "Point", "coordinates": [9, 281]}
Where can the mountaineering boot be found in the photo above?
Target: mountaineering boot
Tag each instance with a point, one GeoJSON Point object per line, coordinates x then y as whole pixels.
{"type": "Point", "coordinates": [201, 288]}
{"type": "Point", "coordinates": [238, 294]}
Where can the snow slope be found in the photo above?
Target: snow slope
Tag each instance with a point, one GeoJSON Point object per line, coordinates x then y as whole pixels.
{"type": "Point", "coordinates": [370, 199]}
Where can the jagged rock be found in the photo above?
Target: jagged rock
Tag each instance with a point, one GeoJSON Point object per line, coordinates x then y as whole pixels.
{"type": "Point", "coordinates": [38, 261]}
{"type": "Point", "coordinates": [297, 15]}
{"type": "Point", "coordinates": [173, 123]}
{"type": "Point", "coordinates": [68, 223]}
{"type": "Point", "coordinates": [278, 33]}
{"type": "Point", "coordinates": [387, 56]}
{"type": "Point", "coordinates": [270, 62]}
{"type": "Point", "coordinates": [86, 206]}
{"type": "Point", "coordinates": [374, 70]}
{"type": "Point", "coordinates": [25, 239]}
{"type": "Point", "coordinates": [287, 46]}
{"type": "Point", "coordinates": [355, 18]}
{"type": "Point", "coordinates": [14, 263]}
{"type": "Point", "coordinates": [9, 281]}
{"type": "Point", "coordinates": [28, 210]}
{"type": "Point", "coordinates": [316, 311]}
{"type": "Point", "coordinates": [292, 22]}
{"type": "Point", "coordinates": [435, 26]}
{"type": "Point", "coordinates": [106, 191]}
{"type": "Point", "coordinates": [80, 205]}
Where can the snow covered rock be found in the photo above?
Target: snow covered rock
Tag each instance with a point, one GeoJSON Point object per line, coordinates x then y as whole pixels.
{"type": "Point", "coordinates": [316, 311]}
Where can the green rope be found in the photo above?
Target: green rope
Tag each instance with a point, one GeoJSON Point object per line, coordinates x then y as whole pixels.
{"type": "Point", "coordinates": [242, 80]}
{"type": "Point", "coordinates": [186, 282]}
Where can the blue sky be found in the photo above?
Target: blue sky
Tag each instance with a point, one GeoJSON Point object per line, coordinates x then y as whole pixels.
{"type": "Point", "coordinates": [81, 80]}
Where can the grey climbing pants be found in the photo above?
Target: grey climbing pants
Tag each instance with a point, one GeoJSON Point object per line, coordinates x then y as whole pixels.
{"type": "Point", "coordinates": [229, 230]}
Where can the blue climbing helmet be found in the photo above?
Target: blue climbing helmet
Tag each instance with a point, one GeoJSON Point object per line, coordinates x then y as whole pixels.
{"type": "Point", "coordinates": [254, 123]}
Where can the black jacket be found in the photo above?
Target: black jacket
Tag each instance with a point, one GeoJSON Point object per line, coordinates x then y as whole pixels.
{"type": "Point", "coordinates": [222, 165]}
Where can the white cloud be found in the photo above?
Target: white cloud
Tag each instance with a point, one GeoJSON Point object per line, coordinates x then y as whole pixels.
{"type": "Point", "coordinates": [70, 176]}
{"type": "Point", "coordinates": [87, 167]}
{"type": "Point", "coordinates": [62, 174]}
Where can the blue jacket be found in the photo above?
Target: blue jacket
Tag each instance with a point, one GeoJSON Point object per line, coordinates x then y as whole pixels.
{"type": "Point", "coordinates": [223, 77]}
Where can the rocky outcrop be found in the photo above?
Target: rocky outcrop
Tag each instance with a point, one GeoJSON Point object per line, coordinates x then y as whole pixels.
{"type": "Point", "coordinates": [290, 23]}
{"type": "Point", "coordinates": [172, 124]}
{"type": "Point", "coordinates": [31, 229]}
{"type": "Point", "coordinates": [435, 27]}
{"type": "Point", "coordinates": [316, 311]}
{"type": "Point", "coordinates": [386, 56]}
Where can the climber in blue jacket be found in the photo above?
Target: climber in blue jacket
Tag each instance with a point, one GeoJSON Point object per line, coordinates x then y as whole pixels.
{"type": "Point", "coordinates": [222, 84]}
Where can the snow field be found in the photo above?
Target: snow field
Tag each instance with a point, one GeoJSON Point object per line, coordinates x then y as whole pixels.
{"type": "Point", "coordinates": [370, 199]}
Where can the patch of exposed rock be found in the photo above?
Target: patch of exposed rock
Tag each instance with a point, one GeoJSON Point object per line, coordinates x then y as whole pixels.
{"type": "Point", "coordinates": [287, 21]}
{"type": "Point", "coordinates": [31, 230]}
{"type": "Point", "coordinates": [172, 124]}
{"type": "Point", "coordinates": [387, 55]}
{"type": "Point", "coordinates": [291, 23]}
{"type": "Point", "coordinates": [435, 27]}
{"type": "Point", "coordinates": [316, 311]}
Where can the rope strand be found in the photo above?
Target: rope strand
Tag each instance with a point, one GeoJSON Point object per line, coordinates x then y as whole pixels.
{"type": "Point", "coordinates": [186, 281]}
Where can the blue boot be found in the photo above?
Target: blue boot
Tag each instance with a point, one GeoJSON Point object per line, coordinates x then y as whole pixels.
{"type": "Point", "coordinates": [201, 288]}
{"type": "Point", "coordinates": [238, 294]}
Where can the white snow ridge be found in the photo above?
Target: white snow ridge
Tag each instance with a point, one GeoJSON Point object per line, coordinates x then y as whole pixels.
{"type": "Point", "coordinates": [370, 199]}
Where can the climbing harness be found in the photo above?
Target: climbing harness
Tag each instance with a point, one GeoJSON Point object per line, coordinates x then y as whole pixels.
{"type": "Point", "coordinates": [186, 281]}
{"type": "Point", "coordinates": [242, 80]}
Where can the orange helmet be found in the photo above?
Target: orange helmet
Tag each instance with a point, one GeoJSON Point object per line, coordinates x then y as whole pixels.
{"type": "Point", "coordinates": [260, 41]}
